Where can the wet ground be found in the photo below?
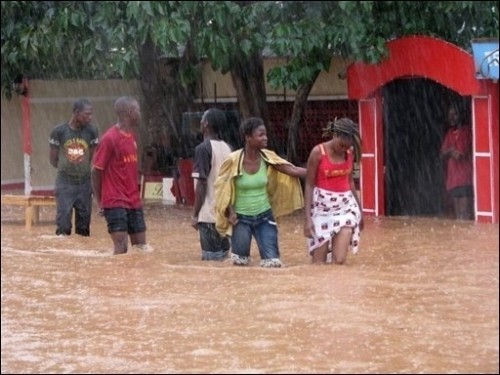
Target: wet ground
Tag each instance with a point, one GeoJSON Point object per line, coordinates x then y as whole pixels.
{"type": "Point", "coordinates": [421, 296]}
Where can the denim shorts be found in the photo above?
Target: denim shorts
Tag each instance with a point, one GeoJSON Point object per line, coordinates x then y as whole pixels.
{"type": "Point", "coordinates": [130, 220]}
{"type": "Point", "coordinates": [263, 227]}
{"type": "Point", "coordinates": [213, 245]}
{"type": "Point", "coordinates": [461, 191]}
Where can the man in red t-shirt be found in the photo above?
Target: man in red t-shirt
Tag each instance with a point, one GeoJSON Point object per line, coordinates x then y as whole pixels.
{"type": "Point", "coordinates": [114, 179]}
{"type": "Point", "coordinates": [456, 150]}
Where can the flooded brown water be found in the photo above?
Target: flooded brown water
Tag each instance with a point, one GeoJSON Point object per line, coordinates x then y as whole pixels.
{"type": "Point", "coordinates": [421, 296]}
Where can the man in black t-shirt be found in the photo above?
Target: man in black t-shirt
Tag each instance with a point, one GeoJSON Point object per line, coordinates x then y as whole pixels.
{"type": "Point", "coordinates": [72, 145]}
{"type": "Point", "coordinates": [208, 157]}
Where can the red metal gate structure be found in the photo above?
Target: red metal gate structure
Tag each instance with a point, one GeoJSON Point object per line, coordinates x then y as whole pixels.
{"type": "Point", "coordinates": [450, 66]}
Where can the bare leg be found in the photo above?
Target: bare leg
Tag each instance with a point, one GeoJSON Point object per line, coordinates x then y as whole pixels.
{"type": "Point", "coordinates": [466, 208]}
{"type": "Point", "coordinates": [341, 243]}
{"type": "Point", "coordinates": [138, 238]}
{"type": "Point", "coordinates": [319, 254]}
{"type": "Point", "coordinates": [456, 206]}
{"type": "Point", "coordinates": [120, 241]}
{"type": "Point", "coordinates": [470, 207]}
{"type": "Point", "coordinates": [138, 241]}
{"type": "Point", "coordinates": [462, 206]}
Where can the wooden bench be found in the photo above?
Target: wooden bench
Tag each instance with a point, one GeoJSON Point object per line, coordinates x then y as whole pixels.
{"type": "Point", "coordinates": [32, 204]}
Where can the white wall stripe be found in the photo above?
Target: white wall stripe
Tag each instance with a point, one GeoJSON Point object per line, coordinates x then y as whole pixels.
{"type": "Point", "coordinates": [13, 181]}
{"type": "Point", "coordinates": [73, 99]}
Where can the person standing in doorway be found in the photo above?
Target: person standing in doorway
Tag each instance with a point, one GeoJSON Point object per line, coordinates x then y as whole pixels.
{"type": "Point", "coordinates": [72, 145]}
{"type": "Point", "coordinates": [254, 187]}
{"type": "Point", "coordinates": [115, 179]}
{"type": "Point", "coordinates": [208, 157]}
{"type": "Point", "coordinates": [333, 218]}
{"type": "Point", "coordinates": [456, 151]}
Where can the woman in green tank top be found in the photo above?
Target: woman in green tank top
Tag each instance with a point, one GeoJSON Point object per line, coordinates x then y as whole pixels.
{"type": "Point", "coordinates": [254, 186]}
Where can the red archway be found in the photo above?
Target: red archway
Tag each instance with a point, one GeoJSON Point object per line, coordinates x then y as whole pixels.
{"type": "Point", "coordinates": [452, 67]}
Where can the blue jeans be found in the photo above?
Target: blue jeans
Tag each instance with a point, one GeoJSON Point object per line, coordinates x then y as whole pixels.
{"type": "Point", "coordinates": [79, 197]}
{"type": "Point", "coordinates": [263, 227]}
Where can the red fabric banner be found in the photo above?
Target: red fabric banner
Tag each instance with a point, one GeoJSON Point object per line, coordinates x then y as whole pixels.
{"type": "Point", "coordinates": [26, 113]}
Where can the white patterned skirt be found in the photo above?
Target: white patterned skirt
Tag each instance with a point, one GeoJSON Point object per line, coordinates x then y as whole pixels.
{"type": "Point", "coordinates": [330, 212]}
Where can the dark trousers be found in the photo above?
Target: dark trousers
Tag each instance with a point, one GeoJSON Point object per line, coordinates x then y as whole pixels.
{"type": "Point", "coordinates": [69, 197]}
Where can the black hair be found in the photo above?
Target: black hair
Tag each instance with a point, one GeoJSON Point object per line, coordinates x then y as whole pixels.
{"type": "Point", "coordinates": [345, 127]}
{"type": "Point", "coordinates": [122, 105]}
{"type": "Point", "coordinates": [216, 119]}
{"type": "Point", "coordinates": [80, 105]}
{"type": "Point", "coordinates": [249, 125]}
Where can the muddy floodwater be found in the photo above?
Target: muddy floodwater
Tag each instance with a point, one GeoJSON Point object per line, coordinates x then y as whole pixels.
{"type": "Point", "coordinates": [421, 296]}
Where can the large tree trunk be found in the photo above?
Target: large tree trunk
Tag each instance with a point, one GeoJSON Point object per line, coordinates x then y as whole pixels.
{"type": "Point", "coordinates": [165, 97]}
{"type": "Point", "coordinates": [249, 82]}
{"type": "Point", "coordinates": [153, 116]}
{"type": "Point", "coordinates": [297, 115]}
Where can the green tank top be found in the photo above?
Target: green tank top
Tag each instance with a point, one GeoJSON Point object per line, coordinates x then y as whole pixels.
{"type": "Point", "coordinates": [251, 192]}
